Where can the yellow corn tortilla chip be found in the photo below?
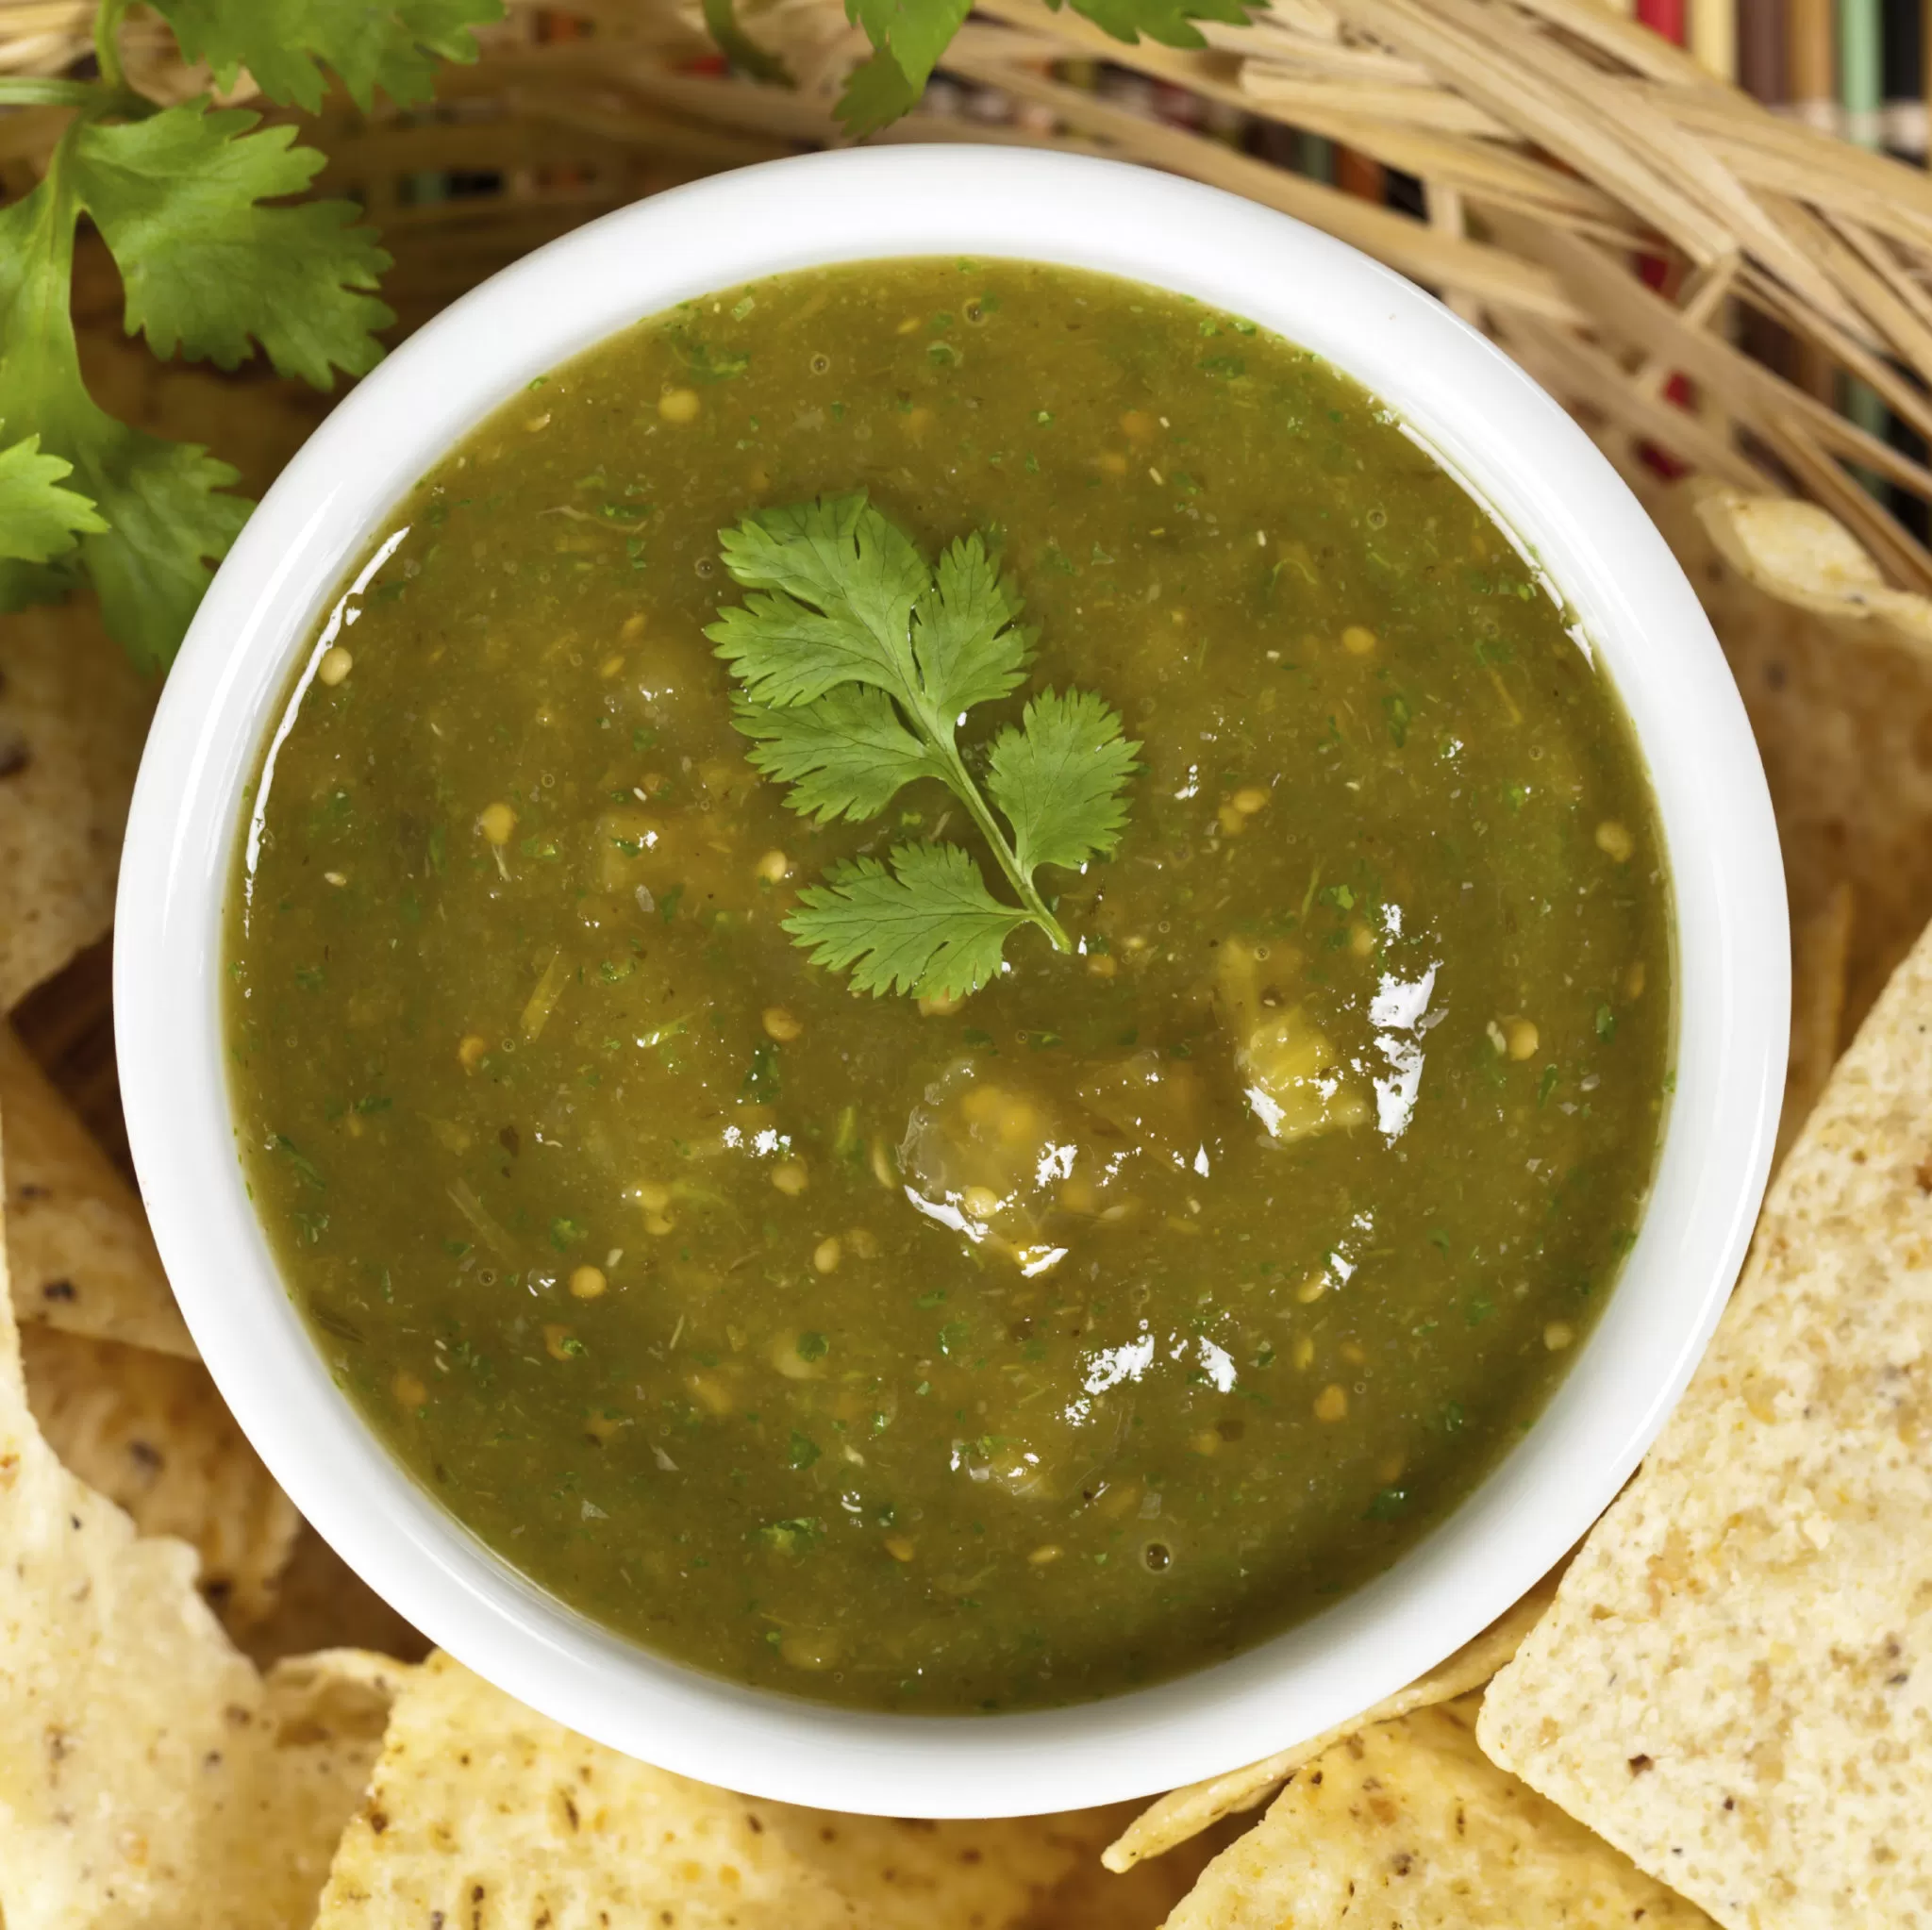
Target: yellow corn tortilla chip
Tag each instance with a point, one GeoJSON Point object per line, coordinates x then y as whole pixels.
{"type": "Point", "coordinates": [914, 1875]}
{"type": "Point", "coordinates": [73, 714]}
{"type": "Point", "coordinates": [1183, 1813]}
{"type": "Point", "coordinates": [1803, 555]}
{"type": "Point", "coordinates": [152, 1434]}
{"type": "Point", "coordinates": [148, 1778]}
{"type": "Point", "coordinates": [1839, 698]}
{"type": "Point", "coordinates": [1093, 1897]}
{"type": "Point", "coordinates": [484, 1811]}
{"type": "Point", "coordinates": [115, 1686]}
{"type": "Point", "coordinates": [1406, 1826]}
{"type": "Point", "coordinates": [1735, 1684]}
{"type": "Point", "coordinates": [481, 1811]}
{"type": "Point", "coordinates": [77, 1245]}
{"type": "Point", "coordinates": [314, 1742]}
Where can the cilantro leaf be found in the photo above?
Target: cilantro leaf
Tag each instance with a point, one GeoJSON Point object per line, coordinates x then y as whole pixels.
{"type": "Point", "coordinates": [216, 258]}
{"type": "Point", "coordinates": [21, 585]}
{"type": "Point", "coordinates": [165, 519]}
{"type": "Point", "coordinates": [206, 267]}
{"type": "Point", "coordinates": [927, 926]}
{"type": "Point", "coordinates": [285, 44]}
{"type": "Point", "coordinates": [967, 634]}
{"type": "Point", "coordinates": [40, 520]}
{"type": "Point", "coordinates": [875, 94]}
{"type": "Point", "coordinates": [915, 32]}
{"type": "Point", "coordinates": [846, 755]}
{"type": "Point", "coordinates": [1170, 21]}
{"type": "Point", "coordinates": [170, 522]}
{"type": "Point", "coordinates": [857, 666]}
{"type": "Point", "coordinates": [841, 596]}
{"type": "Point", "coordinates": [910, 37]}
{"type": "Point", "coordinates": [907, 38]}
{"type": "Point", "coordinates": [1057, 776]}
{"type": "Point", "coordinates": [838, 584]}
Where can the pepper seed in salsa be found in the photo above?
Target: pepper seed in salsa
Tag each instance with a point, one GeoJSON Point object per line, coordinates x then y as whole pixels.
{"type": "Point", "coordinates": [1132, 1275]}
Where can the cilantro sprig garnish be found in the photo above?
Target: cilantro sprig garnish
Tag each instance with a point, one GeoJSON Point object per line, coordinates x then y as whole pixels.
{"type": "Point", "coordinates": [857, 663]}
{"type": "Point", "coordinates": [286, 44]}
{"type": "Point", "coordinates": [909, 36]}
{"type": "Point", "coordinates": [217, 258]}
{"type": "Point", "coordinates": [39, 517]}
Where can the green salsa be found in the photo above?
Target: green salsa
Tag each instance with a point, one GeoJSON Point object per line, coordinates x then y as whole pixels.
{"type": "Point", "coordinates": [951, 1354]}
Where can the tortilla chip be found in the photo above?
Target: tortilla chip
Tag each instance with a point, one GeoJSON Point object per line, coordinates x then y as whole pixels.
{"type": "Point", "coordinates": [148, 1780]}
{"type": "Point", "coordinates": [1182, 1813]}
{"type": "Point", "coordinates": [1406, 1826]}
{"type": "Point", "coordinates": [317, 1736]}
{"type": "Point", "coordinates": [1821, 948]}
{"type": "Point", "coordinates": [1733, 1683]}
{"type": "Point", "coordinates": [78, 1244]}
{"type": "Point", "coordinates": [1803, 555]}
{"type": "Point", "coordinates": [152, 1434]}
{"type": "Point", "coordinates": [118, 1681]}
{"type": "Point", "coordinates": [484, 1811]}
{"type": "Point", "coordinates": [73, 714]}
{"type": "Point", "coordinates": [321, 1602]}
{"type": "Point", "coordinates": [1842, 707]}
{"type": "Point", "coordinates": [911, 1876]}
{"type": "Point", "coordinates": [1093, 1897]}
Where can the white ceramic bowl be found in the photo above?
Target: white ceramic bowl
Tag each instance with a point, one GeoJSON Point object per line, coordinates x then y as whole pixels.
{"type": "Point", "coordinates": [1513, 447]}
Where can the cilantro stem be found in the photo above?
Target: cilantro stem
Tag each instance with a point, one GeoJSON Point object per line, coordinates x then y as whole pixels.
{"type": "Point", "coordinates": [108, 43]}
{"type": "Point", "coordinates": [960, 781]}
{"type": "Point", "coordinates": [721, 22]}
{"type": "Point", "coordinates": [937, 725]}
{"type": "Point", "coordinates": [197, 205]}
{"type": "Point", "coordinates": [860, 660]}
{"type": "Point", "coordinates": [44, 90]}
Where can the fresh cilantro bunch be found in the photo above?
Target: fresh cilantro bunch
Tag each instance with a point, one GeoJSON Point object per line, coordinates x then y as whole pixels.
{"type": "Point", "coordinates": [858, 663]}
{"type": "Point", "coordinates": [216, 259]}
{"type": "Point", "coordinates": [909, 36]}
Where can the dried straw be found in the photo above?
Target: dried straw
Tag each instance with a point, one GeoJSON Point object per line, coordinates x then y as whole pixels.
{"type": "Point", "coordinates": [1558, 149]}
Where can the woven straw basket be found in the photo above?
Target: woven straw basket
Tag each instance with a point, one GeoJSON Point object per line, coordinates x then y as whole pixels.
{"type": "Point", "coordinates": [1702, 283]}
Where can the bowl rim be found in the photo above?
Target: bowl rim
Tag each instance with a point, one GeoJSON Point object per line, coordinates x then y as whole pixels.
{"type": "Point", "coordinates": [1514, 448]}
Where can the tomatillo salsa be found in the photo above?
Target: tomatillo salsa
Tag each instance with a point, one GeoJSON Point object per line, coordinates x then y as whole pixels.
{"type": "Point", "coordinates": [950, 1351]}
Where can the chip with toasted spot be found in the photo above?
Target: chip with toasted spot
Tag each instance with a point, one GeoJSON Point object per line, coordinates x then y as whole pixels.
{"type": "Point", "coordinates": [148, 1779]}
{"type": "Point", "coordinates": [482, 1810]}
{"type": "Point", "coordinates": [314, 1746]}
{"type": "Point", "coordinates": [1840, 697]}
{"type": "Point", "coordinates": [120, 1700]}
{"type": "Point", "coordinates": [74, 715]}
{"type": "Point", "coordinates": [1183, 1813]}
{"type": "Point", "coordinates": [77, 1245]}
{"type": "Point", "coordinates": [1407, 1825]}
{"type": "Point", "coordinates": [1735, 1684]}
{"type": "Point", "coordinates": [1093, 1897]}
{"type": "Point", "coordinates": [152, 1433]}
{"type": "Point", "coordinates": [1803, 555]}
